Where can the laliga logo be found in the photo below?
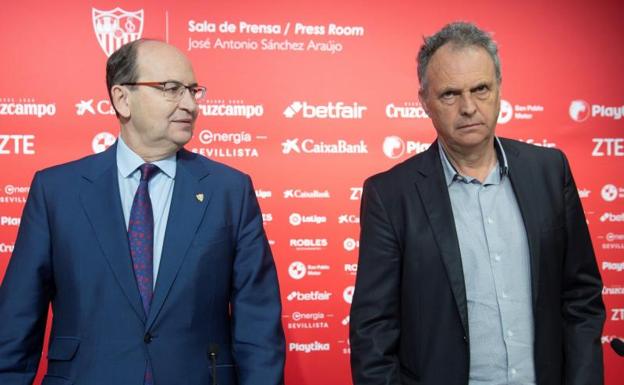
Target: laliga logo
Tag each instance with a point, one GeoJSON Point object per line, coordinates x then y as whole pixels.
{"type": "Point", "coordinates": [295, 219]}
{"type": "Point", "coordinates": [347, 294]}
{"type": "Point", "coordinates": [393, 147]}
{"type": "Point", "coordinates": [102, 141]}
{"type": "Point", "coordinates": [579, 110]}
{"type": "Point", "coordinates": [350, 244]}
{"type": "Point", "coordinates": [506, 112]}
{"type": "Point", "coordinates": [297, 270]}
{"type": "Point", "coordinates": [116, 27]}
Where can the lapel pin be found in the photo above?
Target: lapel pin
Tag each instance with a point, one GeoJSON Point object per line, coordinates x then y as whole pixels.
{"type": "Point", "coordinates": [200, 197]}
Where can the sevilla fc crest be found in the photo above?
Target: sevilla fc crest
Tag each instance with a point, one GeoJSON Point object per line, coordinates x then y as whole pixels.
{"type": "Point", "coordinates": [116, 27]}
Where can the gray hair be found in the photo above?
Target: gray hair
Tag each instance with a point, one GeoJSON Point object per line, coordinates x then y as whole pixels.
{"type": "Point", "coordinates": [461, 35]}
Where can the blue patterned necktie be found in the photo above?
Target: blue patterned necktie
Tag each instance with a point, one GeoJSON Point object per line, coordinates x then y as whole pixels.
{"type": "Point", "coordinates": [141, 239]}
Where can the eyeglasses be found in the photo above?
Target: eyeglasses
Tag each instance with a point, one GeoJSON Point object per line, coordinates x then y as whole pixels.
{"type": "Point", "coordinates": [173, 90]}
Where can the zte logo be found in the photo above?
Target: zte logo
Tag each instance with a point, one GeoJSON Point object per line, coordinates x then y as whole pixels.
{"type": "Point", "coordinates": [17, 144]}
{"type": "Point", "coordinates": [608, 147]}
{"type": "Point", "coordinates": [356, 193]}
{"type": "Point", "coordinates": [330, 110]}
{"type": "Point", "coordinates": [617, 314]}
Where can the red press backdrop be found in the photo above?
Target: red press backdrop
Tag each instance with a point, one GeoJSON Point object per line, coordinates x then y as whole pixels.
{"type": "Point", "coordinates": [287, 78]}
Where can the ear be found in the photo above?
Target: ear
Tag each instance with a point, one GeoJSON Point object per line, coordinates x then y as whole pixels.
{"type": "Point", "coordinates": [423, 101]}
{"type": "Point", "coordinates": [120, 96]}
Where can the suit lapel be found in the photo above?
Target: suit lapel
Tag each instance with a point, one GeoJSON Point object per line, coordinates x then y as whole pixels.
{"type": "Point", "coordinates": [520, 175]}
{"type": "Point", "coordinates": [102, 203]}
{"type": "Point", "coordinates": [437, 204]}
{"type": "Point", "coordinates": [185, 215]}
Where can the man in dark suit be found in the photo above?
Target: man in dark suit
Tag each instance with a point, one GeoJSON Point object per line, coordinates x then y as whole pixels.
{"type": "Point", "coordinates": [475, 265]}
{"type": "Point", "coordinates": [154, 259]}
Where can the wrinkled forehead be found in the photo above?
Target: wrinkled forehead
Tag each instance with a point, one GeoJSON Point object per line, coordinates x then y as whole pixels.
{"type": "Point", "coordinates": [452, 60]}
{"type": "Point", "coordinates": [157, 61]}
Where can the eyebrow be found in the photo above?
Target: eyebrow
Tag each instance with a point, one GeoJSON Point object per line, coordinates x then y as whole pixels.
{"type": "Point", "coordinates": [455, 90]}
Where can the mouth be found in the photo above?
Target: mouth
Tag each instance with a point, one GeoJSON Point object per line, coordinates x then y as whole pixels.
{"type": "Point", "coordinates": [188, 121]}
{"type": "Point", "coordinates": [469, 125]}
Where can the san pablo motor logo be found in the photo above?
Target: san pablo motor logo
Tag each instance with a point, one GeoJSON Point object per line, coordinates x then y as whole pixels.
{"type": "Point", "coordinates": [116, 27]}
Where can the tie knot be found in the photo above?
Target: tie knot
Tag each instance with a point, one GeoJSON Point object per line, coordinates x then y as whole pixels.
{"type": "Point", "coordinates": [148, 170]}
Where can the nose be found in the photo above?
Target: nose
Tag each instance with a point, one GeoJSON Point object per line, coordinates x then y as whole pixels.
{"type": "Point", "coordinates": [188, 102]}
{"type": "Point", "coordinates": [467, 105]}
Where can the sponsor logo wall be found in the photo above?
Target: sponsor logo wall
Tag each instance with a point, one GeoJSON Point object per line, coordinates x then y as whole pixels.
{"type": "Point", "coordinates": [310, 99]}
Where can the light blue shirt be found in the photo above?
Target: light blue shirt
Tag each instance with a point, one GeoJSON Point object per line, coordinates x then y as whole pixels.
{"type": "Point", "coordinates": [497, 275]}
{"type": "Point", "coordinates": [160, 191]}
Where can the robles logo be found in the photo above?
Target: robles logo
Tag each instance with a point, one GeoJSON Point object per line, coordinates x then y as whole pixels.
{"type": "Point", "coordinates": [338, 110]}
{"type": "Point", "coordinates": [308, 243]}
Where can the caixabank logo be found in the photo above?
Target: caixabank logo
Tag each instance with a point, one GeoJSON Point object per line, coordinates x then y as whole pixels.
{"type": "Point", "coordinates": [331, 110]}
{"type": "Point", "coordinates": [92, 107]}
{"type": "Point", "coordinates": [580, 111]}
{"type": "Point", "coordinates": [318, 147]}
{"type": "Point", "coordinates": [116, 27]}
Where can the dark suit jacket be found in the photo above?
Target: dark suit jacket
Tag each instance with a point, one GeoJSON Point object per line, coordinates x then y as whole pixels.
{"type": "Point", "coordinates": [216, 284]}
{"type": "Point", "coordinates": [409, 318]}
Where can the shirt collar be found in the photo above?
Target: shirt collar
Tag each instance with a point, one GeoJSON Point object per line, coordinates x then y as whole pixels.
{"type": "Point", "coordinates": [128, 161]}
{"type": "Point", "coordinates": [451, 173]}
